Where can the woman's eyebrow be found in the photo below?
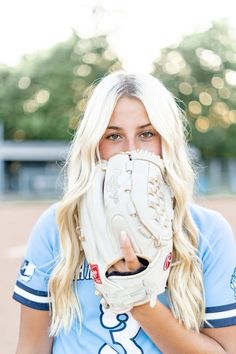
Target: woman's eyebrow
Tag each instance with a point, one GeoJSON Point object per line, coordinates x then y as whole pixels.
{"type": "Point", "coordinates": [119, 128]}
{"type": "Point", "coordinates": [144, 126]}
{"type": "Point", "coordinates": [114, 127]}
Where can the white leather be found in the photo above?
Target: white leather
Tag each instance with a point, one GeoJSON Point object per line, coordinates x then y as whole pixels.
{"type": "Point", "coordinates": [128, 193]}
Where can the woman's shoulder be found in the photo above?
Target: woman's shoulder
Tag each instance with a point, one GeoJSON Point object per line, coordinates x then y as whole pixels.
{"type": "Point", "coordinates": [47, 219]}
{"type": "Point", "coordinates": [205, 217]}
{"type": "Point", "coordinates": [217, 251]}
{"type": "Point", "coordinates": [48, 216]}
{"type": "Point", "coordinates": [45, 230]}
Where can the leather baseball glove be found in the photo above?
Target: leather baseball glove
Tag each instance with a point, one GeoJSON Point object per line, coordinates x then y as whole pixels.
{"type": "Point", "coordinates": [128, 193]}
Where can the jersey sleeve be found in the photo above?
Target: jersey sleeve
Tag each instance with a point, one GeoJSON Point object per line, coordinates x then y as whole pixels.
{"type": "Point", "coordinates": [31, 287]}
{"type": "Point", "coordinates": [218, 253]}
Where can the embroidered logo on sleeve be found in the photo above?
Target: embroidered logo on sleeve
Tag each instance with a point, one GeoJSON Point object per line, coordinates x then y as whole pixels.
{"type": "Point", "coordinates": [27, 270]}
{"type": "Point", "coordinates": [233, 283]}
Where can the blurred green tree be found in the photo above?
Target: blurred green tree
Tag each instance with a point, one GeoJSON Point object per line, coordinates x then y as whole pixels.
{"type": "Point", "coordinates": [201, 72]}
{"type": "Point", "coordinates": [44, 96]}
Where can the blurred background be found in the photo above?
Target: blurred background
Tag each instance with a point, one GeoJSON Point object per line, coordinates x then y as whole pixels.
{"type": "Point", "coordinates": [51, 52]}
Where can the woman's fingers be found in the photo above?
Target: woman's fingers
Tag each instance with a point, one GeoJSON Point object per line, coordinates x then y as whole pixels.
{"type": "Point", "coordinates": [130, 263]}
{"type": "Point", "coordinates": [131, 260]}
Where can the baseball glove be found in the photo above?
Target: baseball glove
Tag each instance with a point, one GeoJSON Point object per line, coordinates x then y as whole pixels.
{"type": "Point", "coordinates": [128, 193]}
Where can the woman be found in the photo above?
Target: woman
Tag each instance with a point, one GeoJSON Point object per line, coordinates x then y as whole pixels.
{"type": "Point", "coordinates": [197, 313]}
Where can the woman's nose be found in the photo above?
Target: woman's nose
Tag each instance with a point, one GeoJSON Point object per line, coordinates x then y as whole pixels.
{"type": "Point", "coordinates": [131, 145]}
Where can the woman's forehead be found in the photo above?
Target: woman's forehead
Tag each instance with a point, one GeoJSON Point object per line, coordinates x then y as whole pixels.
{"type": "Point", "coordinates": [129, 108]}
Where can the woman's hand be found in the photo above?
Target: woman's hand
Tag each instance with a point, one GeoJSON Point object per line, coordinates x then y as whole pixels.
{"type": "Point", "coordinates": [130, 262]}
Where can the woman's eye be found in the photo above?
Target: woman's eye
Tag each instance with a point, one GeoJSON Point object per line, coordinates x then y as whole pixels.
{"type": "Point", "coordinates": [113, 137]}
{"type": "Point", "coordinates": [147, 134]}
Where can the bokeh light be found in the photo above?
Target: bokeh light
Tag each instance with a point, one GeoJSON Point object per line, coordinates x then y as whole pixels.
{"type": "Point", "coordinates": [217, 82]}
{"type": "Point", "coordinates": [82, 70]}
{"type": "Point", "coordinates": [185, 88]}
{"type": "Point", "coordinates": [195, 107]}
{"type": "Point", "coordinates": [205, 98]}
{"type": "Point", "coordinates": [202, 124]}
{"type": "Point", "coordinates": [209, 59]}
{"type": "Point", "coordinates": [24, 82]}
{"type": "Point", "coordinates": [230, 77]}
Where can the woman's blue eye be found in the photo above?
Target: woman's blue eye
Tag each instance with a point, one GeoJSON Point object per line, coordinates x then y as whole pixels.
{"type": "Point", "coordinates": [147, 134]}
{"type": "Point", "coordinates": [113, 137]}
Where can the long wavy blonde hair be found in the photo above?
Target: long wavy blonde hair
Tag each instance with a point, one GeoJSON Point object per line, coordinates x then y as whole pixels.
{"type": "Point", "coordinates": [185, 285]}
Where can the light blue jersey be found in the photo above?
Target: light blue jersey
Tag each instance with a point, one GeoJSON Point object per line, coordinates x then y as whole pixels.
{"type": "Point", "coordinates": [104, 332]}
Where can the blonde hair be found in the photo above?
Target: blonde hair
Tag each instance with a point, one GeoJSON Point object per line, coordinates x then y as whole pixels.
{"type": "Point", "coordinates": [185, 285]}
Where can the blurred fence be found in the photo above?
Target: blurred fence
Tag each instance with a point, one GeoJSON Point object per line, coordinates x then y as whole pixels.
{"type": "Point", "coordinates": [43, 179]}
{"type": "Point", "coordinates": [33, 170]}
{"type": "Point", "coordinates": [217, 176]}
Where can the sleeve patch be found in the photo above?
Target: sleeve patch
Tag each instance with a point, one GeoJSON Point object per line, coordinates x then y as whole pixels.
{"type": "Point", "coordinates": [233, 283]}
{"type": "Point", "coordinates": [27, 270]}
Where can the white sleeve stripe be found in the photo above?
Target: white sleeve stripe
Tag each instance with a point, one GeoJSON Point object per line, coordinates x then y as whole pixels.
{"type": "Point", "coordinates": [219, 315]}
{"type": "Point", "coordinates": [31, 297]}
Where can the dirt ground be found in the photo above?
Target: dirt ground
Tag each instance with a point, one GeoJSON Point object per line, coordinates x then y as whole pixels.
{"type": "Point", "coordinates": [16, 220]}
